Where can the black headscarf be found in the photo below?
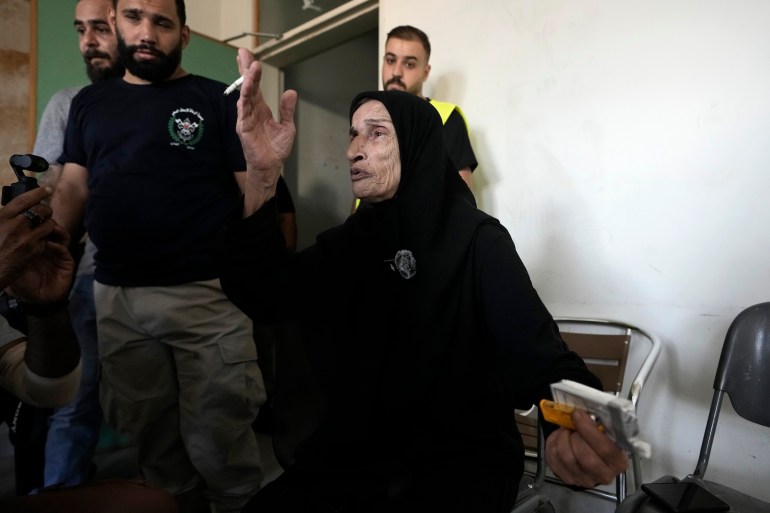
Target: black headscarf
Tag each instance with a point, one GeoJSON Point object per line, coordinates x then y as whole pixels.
{"type": "Point", "coordinates": [429, 181]}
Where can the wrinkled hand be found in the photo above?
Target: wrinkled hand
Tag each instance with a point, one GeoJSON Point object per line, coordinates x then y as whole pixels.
{"type": "Point", "coordinates": [266, 142]}
{"type": "Point", "coordinates": [34, 259]}
{"type": "Point", "coordinates": [584, 457]}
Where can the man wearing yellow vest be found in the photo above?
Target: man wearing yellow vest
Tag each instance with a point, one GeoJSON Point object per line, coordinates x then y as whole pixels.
{"type": "Point", "coordinates": [405, 67]}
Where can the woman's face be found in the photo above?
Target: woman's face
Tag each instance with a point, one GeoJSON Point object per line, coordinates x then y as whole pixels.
{"type": "Point", "coordinates": [375, 164]}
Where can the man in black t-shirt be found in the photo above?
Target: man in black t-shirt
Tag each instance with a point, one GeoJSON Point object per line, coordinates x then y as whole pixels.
{"type": "Point", "coordinates": [405, 67]}
{"type": "Point", "coordinates": [153, 165]}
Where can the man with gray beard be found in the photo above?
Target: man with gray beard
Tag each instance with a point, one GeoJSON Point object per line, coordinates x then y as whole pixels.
{"type": "Point", "coordinates": [73, 430]}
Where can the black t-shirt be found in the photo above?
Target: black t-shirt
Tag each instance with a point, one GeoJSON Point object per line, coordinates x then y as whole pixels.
{"type": "Point", "coordinates": [161, 160]}
{"type": "Point", "coordinates": [458, 142]}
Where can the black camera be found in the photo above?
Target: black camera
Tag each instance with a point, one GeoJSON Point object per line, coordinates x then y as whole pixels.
{"type": "Point", "coordinates": [26, 183]}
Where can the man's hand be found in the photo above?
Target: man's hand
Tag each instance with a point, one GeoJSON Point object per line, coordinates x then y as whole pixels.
{"type": "Point", "coordinates": [34, 259]}
{"type": "Point", "coordinates": [585, 457]}
{"type": "Point", "coordinates": [49, 277]}
{"type": "Point", "coordinates": [266, 142]}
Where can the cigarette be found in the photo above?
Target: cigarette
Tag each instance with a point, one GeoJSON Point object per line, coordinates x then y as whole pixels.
{"type": "Point", "coordinates": [235, 85]}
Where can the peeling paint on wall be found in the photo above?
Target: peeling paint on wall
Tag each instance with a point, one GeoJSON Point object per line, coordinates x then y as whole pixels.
{"type": "Point", "coordinates": [14, 76]}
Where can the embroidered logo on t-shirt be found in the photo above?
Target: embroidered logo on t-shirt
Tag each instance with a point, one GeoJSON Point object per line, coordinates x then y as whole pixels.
{"type": "Point", "coordinates": [185, 127]}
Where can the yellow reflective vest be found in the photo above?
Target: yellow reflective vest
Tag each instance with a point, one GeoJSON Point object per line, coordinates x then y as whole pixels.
{"type": "Point", "coordinates": [445, 110]}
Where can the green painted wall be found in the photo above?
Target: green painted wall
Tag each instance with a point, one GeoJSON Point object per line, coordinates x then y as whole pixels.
{"type": "Point", "coordinates": [59, 64]}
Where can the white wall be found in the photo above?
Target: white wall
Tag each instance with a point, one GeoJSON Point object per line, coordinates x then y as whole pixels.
{"type": "Point", "coordinates": [625, 146]}
{"type": "Point", "coordinates": [223, 19]}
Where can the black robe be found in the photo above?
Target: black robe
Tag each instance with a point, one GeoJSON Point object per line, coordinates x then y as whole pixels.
{"type": "Point", "coordinates": [421, 373]}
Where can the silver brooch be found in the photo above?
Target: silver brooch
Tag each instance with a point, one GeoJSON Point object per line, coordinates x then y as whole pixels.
{"type": "Point", "coordinates": [404, 263]}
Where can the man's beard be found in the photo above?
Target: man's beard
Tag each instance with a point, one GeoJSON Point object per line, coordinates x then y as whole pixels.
{"type": "Point", "coordinates": [152, 71]}
{"type": "Point", "coordinates": [414, 89]}
{"type": "Point", "coordinates": [395, 81]}
{"type": "Point", "coordinates": [114, 69]}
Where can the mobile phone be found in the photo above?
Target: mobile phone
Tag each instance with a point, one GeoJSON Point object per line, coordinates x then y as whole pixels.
{"type": "Point", "coordinates": [685, 497]}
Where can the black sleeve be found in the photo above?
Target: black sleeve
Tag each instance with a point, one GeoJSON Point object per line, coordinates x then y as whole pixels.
{"type": "Point", "coordinates": [255, 266]}
{"type": "Point", "coordinates": [530, 351]}
{"type": "Point", "coordinates": [458, 142]}
{"type": "Point", "coordinates": [284, 203]}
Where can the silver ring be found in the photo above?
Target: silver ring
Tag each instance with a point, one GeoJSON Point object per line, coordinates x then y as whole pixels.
{"type": "Point", "coordinates": [34, 217]}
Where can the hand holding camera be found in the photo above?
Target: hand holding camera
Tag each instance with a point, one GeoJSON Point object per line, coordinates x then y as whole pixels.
{"type": "Point", "coordinates": [34, 258]}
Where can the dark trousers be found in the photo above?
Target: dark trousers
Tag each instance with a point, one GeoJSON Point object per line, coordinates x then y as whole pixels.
{"type": "Point", "coordinates": [28, 428]}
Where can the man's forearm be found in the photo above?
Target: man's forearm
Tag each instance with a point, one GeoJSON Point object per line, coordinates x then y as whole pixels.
{"type": "Point", "coordinates": [68, 205]}
{"type": "Point", "coordinates": [51, 177]}
{"type": "Point", "coordinates": [52, 348]}
{"type": "Point", "coordinates": [43, 369]}
{"type": "Point", "coordinates": [467, 175]}
{"type": "Point", "coordinates": [288, 224]}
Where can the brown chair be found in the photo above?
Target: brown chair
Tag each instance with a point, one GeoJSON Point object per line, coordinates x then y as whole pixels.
{"type": "Point", "coordinates": [605, 355]}
{"type": "Point", "coordinates": [606, 346]}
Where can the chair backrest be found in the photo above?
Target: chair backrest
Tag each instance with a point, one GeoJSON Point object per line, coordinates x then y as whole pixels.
{"type": "Point", "coordinates": [605, 354]}
{"type": "Point", "coordinates": [605, 347]}
{"type": "Point", "coordinates": [743, 374]}
{"type": "Point", "coordinates": [744, 366]}
{"type": "Point", "coordinates": [528, 427]}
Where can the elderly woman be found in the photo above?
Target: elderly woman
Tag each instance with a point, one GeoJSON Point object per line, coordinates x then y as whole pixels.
{"type": "Point", "coordinates": [420, 320]}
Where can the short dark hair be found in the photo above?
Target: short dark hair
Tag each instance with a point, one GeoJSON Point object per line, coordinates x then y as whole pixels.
{"type": "Point", "coordinates": [410, 33]}
{"type": "Point", "coordinates": [181, 10]}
